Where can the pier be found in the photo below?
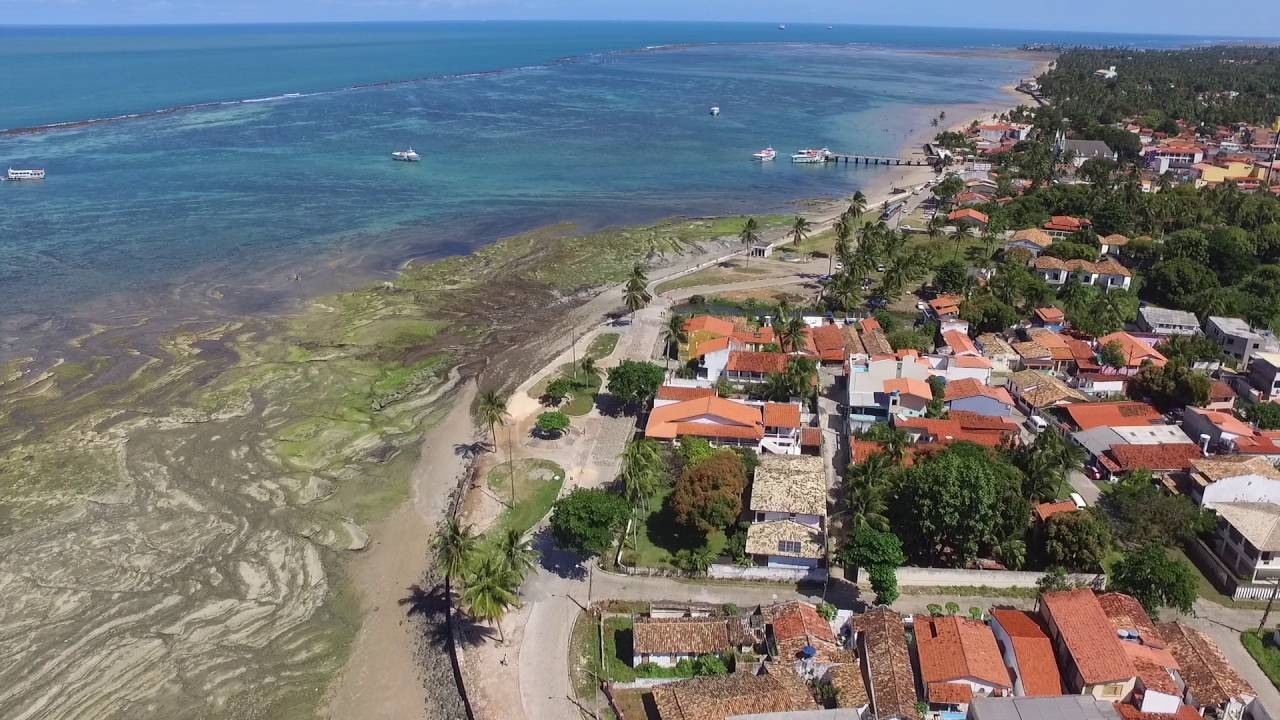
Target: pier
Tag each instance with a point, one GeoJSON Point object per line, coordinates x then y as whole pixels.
{"type": "Point", "coordinates": [849, 159]}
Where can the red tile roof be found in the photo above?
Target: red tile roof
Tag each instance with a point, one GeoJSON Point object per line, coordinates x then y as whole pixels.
{"type": "Point", "coordinates": [945, 693]}
{"type": "Point", "coordinates": [1088, 636]}
{"type": "Point", "coordinates": [1087, 416]}
{"type": "Point", "coordinates": [1129, 712]}
{"type": "Point", "coordinates": [959, 343]}
{"type": "Point", "coordinates": [1034, 652]}
{"type": "Point", "coordinates": [957, 648]}
{"type": "Point", "coordinates": [1160, 458]}
{"type": "Point", "coordinates": [968, 214]}
{"type": "Point", "coordinates": [709, 324]}
{"type": "Point", "coordinates": [757, 362]}
{"type": "Point", "coordinates": [829, 340]}
{"type": "Point", "coordinates": [971, 387]}
{"type": "Point", "coordinates": [1051, 315]}
{"type": "Point", "coordinates": [1066, 223]}
{"type": "Point", "coordinates": [946, 304]}
{"type": "Point", "coordinates": [672, 392]}
{"type": "Point", "coordinates": [800, 620]}
{"type": "Point", "coordinates": [811, 437]}
{"type": "Point", "coordinates": [1044, 511]}
{"type": "Point", "coordinates": [1208, 674]}
{"type": "Point", "coordinates": [710, 346]}
{"type": "Point", "coordinates": [909, 386]}
{"type": "Point", "coordinates": [1126, 613]}
{"type": "Point", "coordinates": [739, 419]}
{"type": "Point", "coordinates": [783, 415]}
{"type": "Point", "coordinates": [1134, 350]}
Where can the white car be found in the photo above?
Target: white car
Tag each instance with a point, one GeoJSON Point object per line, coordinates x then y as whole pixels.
{"type": "Point", "coordinates": [1078, 500]}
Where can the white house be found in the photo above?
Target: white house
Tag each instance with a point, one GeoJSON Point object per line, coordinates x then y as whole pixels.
{"type": "Point", "coordinates": [1233, 478]}
{"type": "Point", "coordinates": [1248, 539]}
{"type": "Point", "coordinates": [665, 641]}
{"type": "Point", "coordinates": [1162, 321]}
{"type": "Point", "coordinates": [889, 386]}
{"type": "Point", "coordinates": [1238, 339]}
{"type": "Point", "coordinates": [1106, 274]}
{"type": "Point", "coordinates": [1264, 375]}
{"type": "Point", "coordinates": [788, 512]}
{"type": "Point", "coordinates": [959, 660]}
{"type": "Point", "coordinates": [1027, 652]}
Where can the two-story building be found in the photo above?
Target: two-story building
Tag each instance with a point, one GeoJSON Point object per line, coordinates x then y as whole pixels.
{"type": "Point", "coordinates": [1162, 321]}
{"type": "Point", "coordinates": [1264, 375]}
{"type": "Point", "coordinates": [1232, 478]}
{"type": "Point", "coordinates": [788, 509]}
{"type": "Point", "coordinates": [1238, 340]}
{"type": "Point", "coordinates": [1027, 652]}
{"type": "Point", "coordinates": [1061, 227]}
{"type": "Point", "coordinates": [959, 660]}
{"type": "Point", "coordinates": [1247, 540]}
{"type": "Point", "coordinates": [1088, 649]}
{"type": "Point", "coordinates": [887, 387]}
{"type": "Point", "coordinates": [1106, 274]}
{"type": "Point", "coordinates": [972, 395]}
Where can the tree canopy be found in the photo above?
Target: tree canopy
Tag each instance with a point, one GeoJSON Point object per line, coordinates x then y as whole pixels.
{"type": "Point", "coordinates": [708, 495]}
{"type": "Point", "coordinates": [633, 382]}
{"type": "Point", "coordinates": [1155, 579]}
{"type": "Point", "coordinates": [1077, 541]}
{"type": "Point", "coordinates": [588, 519]}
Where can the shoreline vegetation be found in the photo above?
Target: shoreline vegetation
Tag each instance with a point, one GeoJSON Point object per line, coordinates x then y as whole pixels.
{"type": "Point", "coordinates": [188, 507]}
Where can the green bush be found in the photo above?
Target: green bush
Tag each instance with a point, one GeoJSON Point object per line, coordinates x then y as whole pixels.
{"type": "Point", "coordinates": [1267, 657]}
{"type": "Point", "coordinates": [552, 422]}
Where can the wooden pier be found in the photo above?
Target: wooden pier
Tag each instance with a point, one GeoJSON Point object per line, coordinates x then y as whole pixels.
{"type": "Point", "coordinates": [848, 159]}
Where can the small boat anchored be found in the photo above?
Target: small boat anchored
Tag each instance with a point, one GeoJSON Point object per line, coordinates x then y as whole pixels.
{"type": "Point", "coordinates": [405, 155]}
{"type": "Point", "coordinates": [811, 156]}
{"type": "Point", "coordinates": [33, 174]}
{"type": "Point", "coordinates": [715, 110]}
{"type": "Point", "coordinates": [765, 155]}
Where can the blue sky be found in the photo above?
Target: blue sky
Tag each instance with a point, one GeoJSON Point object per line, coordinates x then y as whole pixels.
{"type": "Point", "coordinates": [1230, 17]}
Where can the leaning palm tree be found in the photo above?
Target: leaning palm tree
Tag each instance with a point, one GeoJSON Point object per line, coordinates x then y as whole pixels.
{"type": "Point", "coordinates": [490, 592]}
{"type": "Point", "coordinates": [749, 235]}
{"type": "Point", "coordinates": [454, 548]}
{"type": "Point", "coordinates": [641, 465]}
{"type": "Point", "coordinates": [857, 207]}
{"type": "Point", "coordinates": [635, 299]}
{"type": "Point", "coordinates": [491, 409]}
{"type": "Point", "coordinates": [799, 230]}
{"type": "Point", "coordinates": [516, 553]}
{"type": "Point", "coordinates": [674, 335]}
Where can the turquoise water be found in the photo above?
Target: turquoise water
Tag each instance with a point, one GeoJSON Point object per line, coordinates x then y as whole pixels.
{"type": "Point", "coordinates": [519, 125]}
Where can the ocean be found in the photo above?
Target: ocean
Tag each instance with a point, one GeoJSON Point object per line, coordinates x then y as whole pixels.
{"type": "Point", "coordinates": [255, 150]}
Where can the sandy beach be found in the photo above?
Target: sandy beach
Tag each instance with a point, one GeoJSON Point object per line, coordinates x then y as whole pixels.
{"type": "Point", "coordinates": [385, 676]}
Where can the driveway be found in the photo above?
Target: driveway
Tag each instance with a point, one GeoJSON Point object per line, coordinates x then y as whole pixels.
{"type": "Point", "coordinates": [1083, 485]}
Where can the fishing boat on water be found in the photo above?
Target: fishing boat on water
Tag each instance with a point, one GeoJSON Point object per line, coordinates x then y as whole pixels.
{"type": "Point", "coordinates": [765, 155]}
{"type": "Point", "coordinates": [32, 174]}
{"type": "Point", "coordinates": [715, 110]}
{"type": "Point", "coordinates": [405, 155]}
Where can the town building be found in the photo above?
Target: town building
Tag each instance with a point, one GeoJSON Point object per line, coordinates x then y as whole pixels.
{"type": "Point", "coordinates": [1135, 352]}
{"type": "Point", "coordinates": [959, 660]}
{"type": "Point", "coordinates": [1033, 240]}
{"type": "Point", "coordinates": [1061, 227]}
{"type": "Point", "coordinates": [1238, 340]}
{"type": "Point", "coordinates": [886, 387]}
{"type": "Point", "coordinates": [1162, 321]}
{"type": "Point", "coordinates": [968, 217]}
{"type": "Point", "coordinates": [1027, 652]}
{"type": "Point", "coordinates": [1223, 432]}
{"type": "Point", "coordinates": [1158, 686]}
{"type": "Point", "coordinates": [1247, 540]}
{"type": "Point", "coordinates": [788, 508]}
{"type": "Point", "coordinates": [971, 395]}
{"type": "Point", "coordinates": [715, 697]}
{"type": "Point", "coordinates": [881, 643]}
{"type": "Point", "coordinates": [957, 427]}
{"type": "Point", "coordinates": [766, 427]}
{"type": "Point", "coordinates": [1106, 274]}
{"type": "Point", "coordinates": [1034, 391]}
{"type": "Point", "coordinates": [1175, 156]}
{"type": "Point", "coordinates": [1264, 375]}
{"type": "Point", "coordinates": [1211, 685]}
{"type": "Point", "coordinates": [1112, 244]}
{"type": "Point", "coordinates": [1068, 707]}
{"type": "Point", "coordinates": [1232, 478]}
{"type": "Point", "coordinates": [1081, 151]}
{"type": "Point", "coordinates": [1003, 358]}
{"type": "Point", "coordinates": [667, 641]}
{"type": "Point", "coordinates": [1087, 647]}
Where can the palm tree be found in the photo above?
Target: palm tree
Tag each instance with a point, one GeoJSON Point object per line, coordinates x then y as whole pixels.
{"type": "Point", "coordinates": [700, 560]}
{"type": "Point", "coordinates": [516, 553]}
{"type": "Point", "coordinates": [843, 292]}
{"type": "Point", "coordinates": [776, 387]}
{"type": "Point", "coordinates": [641, 463]}
{"type": "Point", "coordinates": [635, 299]}
{"type": "Point", "coordinates": [842, 248]}
{"type": "Point", "coordinates": [864, 492]}
{"type": "Point", "coordinates": [935, 226]}
{"type": "Point", "coordinates": [894, 442]}
{"type": "Point", "coordinates": [857, 207]}
{"type": "Point", "coordinates": [800, 375]}
{"type": "Point", "coordinates": [799, 230]}
{"type": "Point", "coordinates": [791, 332]}
{"type": "Point", "coordinates": [490, 592]}
{"type": "Point", "coordinates": [637, 279]}
{"type": "Point", "coordinates": [454, 548]}
{"type": "Point", "coordinates": [674, 335]}
{"type": "Point", "coordinates": [587, 366]}
{"type": "Point", "coordinates": [962, 233]}
{"type": "Point", "coordinates": [749, 235]}
{"type": "Point", "coordinates": [491, 409]}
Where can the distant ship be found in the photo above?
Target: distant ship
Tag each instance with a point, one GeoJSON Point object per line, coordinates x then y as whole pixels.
{"type": "Point", "coordinates": [25, 174]}
{"type": "Point", "coordinates": [782, 27]}
{"type": "Point", "coordinates": [715, 110]}
{"type": "Point", "coordinates": [811, 156]}
{"type": "Point", "coordinates": [765, 155]}
{"type": "Point", "coordinates": [405, 155]}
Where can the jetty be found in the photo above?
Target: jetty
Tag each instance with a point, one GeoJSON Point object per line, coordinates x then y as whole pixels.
{"type": "Point", "coordinates": [852, 159]}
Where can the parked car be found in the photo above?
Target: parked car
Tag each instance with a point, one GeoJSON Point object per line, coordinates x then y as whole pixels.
{"type": "Point", "coordinates": [1078, 500]}
{"type": "Point", "coordinates": [1037, 424]}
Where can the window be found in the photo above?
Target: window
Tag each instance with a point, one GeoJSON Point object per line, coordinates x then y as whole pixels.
{"type": "Point", "coordinates": [789, 546]}
{"type": "Point", "coordinates": [1112, 690]}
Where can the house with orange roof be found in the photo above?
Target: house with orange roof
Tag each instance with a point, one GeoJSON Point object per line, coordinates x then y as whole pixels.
{"type": "Point", "coordinates": [1033, 240]}
{"type": "Point", "coordinates": [1126, 413]}
{"type": "Point", "coordinates": [952, 368]}
{"type": "Point", "coordinates": [1158, 688]}
{"type": "Point", "coordinates": [968, 217]}
{"type": "Point", "coordinates": [969, 198]}
{"type": "Point", "coordinates": [960, 426]}
{"type": "Point", "coordinates": [1229, 434]}
{"type": "Point", "coordinates": [1088, 650]}
{"type": "Point", "coordinates": [1050, 318]}
{"type": "Point", "coordinates": [1064, 226]}
{"type": "Point", "coordinates": [832, 343]}
{"type": "Point", "coordinates": [959, 660]}
{"type": "Point", "coordinates": [1136, 352]}
{"type": "Point", "coordinates": [971, 395]}
{"type": "Point", "coordinates": [743, 366]}
{"type": "Point", "coordinates": [1055, 346]}
{"type": "Point", "coordinates": [719, 420]}
{"type": "Point", "coordinates": [957, 344]}
{"type": "Point", "coordinates": [886, 387]}
{"type": "Point", "coordinates": [1107, 273]}
{"type": "Point", "coordinates": [1043, 511]}
{"type": "Point", "coordinates": [1027, 652]}
{"type": "Point", "coordinates": [945, 306]}
{"type": "Point", "coordinates": [881, 642]}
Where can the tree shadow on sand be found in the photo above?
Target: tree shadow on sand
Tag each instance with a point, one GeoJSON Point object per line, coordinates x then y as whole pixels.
{"type": "Point", "coordinates": [559, 562]}
{"type": "Point", "coordinates": [472, 450]}
{"type": "Point", "coordinates": [431, 605]}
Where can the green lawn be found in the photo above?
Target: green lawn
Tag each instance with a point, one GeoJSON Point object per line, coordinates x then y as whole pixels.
{"type": "Point", "coordinates": [617, 649]}
{"type": "Point", "coordinates": [538, 484]}
{"type": "Point", "coordinates": [726, 272]}
{"type": "Point", "coordinates": [602, 345]}
{"type": "Point", "coordinates": [1263, 653]}
{"type": "Point", "coordinates": [584, 398]}
{"type": "Point", "coordinates": [661, 537]}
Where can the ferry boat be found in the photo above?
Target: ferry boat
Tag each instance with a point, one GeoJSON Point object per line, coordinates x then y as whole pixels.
{"type": "Point", "coordinates": [765, 155]}
{"type": "Point", "coordinates": [811, 156]}
{"type": "Point", "coordinates": [715, 110]}
{"type": "Point", "coordinates": [15, 175]}
{"type": "Point", "coordinates": [405, 155]}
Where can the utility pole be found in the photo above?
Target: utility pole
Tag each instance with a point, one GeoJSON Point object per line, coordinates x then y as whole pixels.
{"type": "Point", "coordinates": [573, 350]}
{"type": "Point", "coordinates": [1266, 614]}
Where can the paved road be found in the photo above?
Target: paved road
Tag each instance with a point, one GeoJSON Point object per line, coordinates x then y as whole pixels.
{"type": "Point", "coordinates": [1083, 485]}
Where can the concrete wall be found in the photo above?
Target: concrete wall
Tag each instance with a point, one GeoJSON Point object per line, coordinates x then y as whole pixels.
{"type": "Point", "coordinates": [945, 577]}
{"type": "Point", "coordinates": [768, 574]}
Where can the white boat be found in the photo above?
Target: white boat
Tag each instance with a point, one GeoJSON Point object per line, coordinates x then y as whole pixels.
{"type": "Point", "coordinates": [715, 110]}
{"type": "Point", "coordinates": [765, 155]}
{"type": "Point", "coordinates": [811, 156]}
{"type": "Point", "coordinates": [36, 174]}
{"type": "Point", "coordinates": [405, 155]}
{"type": "Point", "coordinates": [782, 27]}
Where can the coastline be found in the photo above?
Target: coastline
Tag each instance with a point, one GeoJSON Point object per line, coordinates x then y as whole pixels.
{"type": "Point", "coordinates": [169, 369]}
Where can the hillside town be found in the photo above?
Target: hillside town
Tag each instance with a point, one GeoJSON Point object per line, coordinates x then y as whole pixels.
{"type": "Point", "coordinates": [1003, 444]}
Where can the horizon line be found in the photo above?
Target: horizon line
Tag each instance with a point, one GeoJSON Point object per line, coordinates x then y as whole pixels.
{"type": "Point", "coordinates": [260, 23]}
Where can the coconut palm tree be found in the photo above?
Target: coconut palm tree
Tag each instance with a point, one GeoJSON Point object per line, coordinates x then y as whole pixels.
{"type": "Point", "coordinates": [454, 547]}
{"type": "Point", "coordinates": [749, 235]}
{"type": "Point", "coordinates": [843, 292]}
{"type": "Point", "coordinates": [864, 492]}
{"type": "Point", "coordinates": [587, 366]}
{"type": "Point", "coordinates": [935, 227]}
{"type": "Point", "coordinates": [962, 233]}
{"type": "Point", "coordinates": [857, 207]}
{"type": "Point", "coordinates": [516, 553]}
{"type": "Point", "coordinates": [799, 230]}
{"type": "Point", "coordinates": [491, 409]}
{"type": "Point", "coordinates": [791, 332]}
{"type": "Point", "coordinates": [637, 279]}
{"type": "Point", "coordinates": [801, 374]}
{"type": "Point", "coordinates": [635, 299]}
{"type": "Point", "coordinates": [641, 468]}
{"type": "Point", "coordinates": [844, 231]}
{"type": "Point", "coordinates": [490, 592]}
{"type": "Point", "coordinates": [674, 335]}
